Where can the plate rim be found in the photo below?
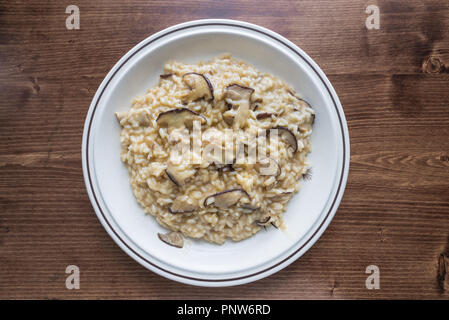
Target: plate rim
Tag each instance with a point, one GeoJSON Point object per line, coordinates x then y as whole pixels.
{"type": "Point", "coordinates": [278, 265]}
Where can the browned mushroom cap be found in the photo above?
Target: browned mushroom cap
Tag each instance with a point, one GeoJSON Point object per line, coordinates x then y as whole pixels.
{"type": "Point", "coordinates": [240, 96]}
{"type": "Point", "coordinates": [181, 206]}
{"type": "Point", "coordinates": [287, 136]}
{"type": "Point", "coordinates": [175, 118]}
{"type": "Point", "coordinates": [199, 85]}
{"type": "Point", "coordinates": [264, 115]}
{"type": "Point", "coordinates": [172, 238]}
{"type": "Point", "coordinates": [268, 167]}
{"type": "Point", "coordinates": [166, 75]}
{"type": "Point", "coordinates": [262, 222]}
{"type": "Point", "coordinates": [225, 199]}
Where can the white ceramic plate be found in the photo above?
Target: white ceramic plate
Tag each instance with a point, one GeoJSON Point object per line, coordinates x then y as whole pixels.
{"type": "Point", "coordinates": [201, 263]}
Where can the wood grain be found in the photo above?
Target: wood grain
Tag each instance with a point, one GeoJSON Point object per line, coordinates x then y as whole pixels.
{"type": "Point", "coordinates": [393, 84]}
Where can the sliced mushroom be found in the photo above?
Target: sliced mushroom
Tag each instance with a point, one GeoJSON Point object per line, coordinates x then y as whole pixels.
{"type": "Point", "coordinates": [141, 117]}
{"type": "Point", "coordinates": [307, 176]}
{"type": "Point", "coordinates": [225, 168]}
{"type": "Point", "coordinates": [236, 92]}
{"type": "Point", "coordinates": [199, 85]}
{"type": "Point", "coordinates": [181, 206]}
{"type": "Point", "coordinates": [264, 115]}
{"type": "Point", "coordinates": [177, 176]}
{"type": "Point", "coordinates": [280, 196]}
{"type": "Point", "coordinates": [173, 239]}
{"type": "Point", "coordinates": [240, 117]}
{"type": "Point", "coordinates": [249, 206]}
{"type": "Point", "coordinates": [225, 199]}
{"type": "Point", "coordinates": [303, 128]}
{"type": "Point", "coordinates": [305, 102]}
{"type": "Point", "coordinates": [269, 167]}
{"type": "Point", "coordinates": [228, 117]}
{"type": "Point", "coordinates": [262, 222]}
{"type": "Point", "coordinates": [256, 104]}
{"type": "Point", "coordinates": [287, 136]}
{"type": "Point", "coordinates": [172, 178]}
{"type": "Point", "coordinates": [176, 118]}
{"type": "Point", "coordinates": [166, 75]}
{"type": "Point", "coordinates": [241, 96]}
{"type": "Point", "coordinates": [300, 99]}
{"type": "Point", "coordinates": [120, 116]}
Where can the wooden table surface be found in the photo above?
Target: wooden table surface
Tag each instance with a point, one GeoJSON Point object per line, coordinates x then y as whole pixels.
{"type": "Point", "coordinates": [393, 84]}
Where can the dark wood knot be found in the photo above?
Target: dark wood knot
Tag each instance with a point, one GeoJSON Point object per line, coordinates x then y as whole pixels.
{"type": "Point", "coordinates": [432, 64]}
{"type": "Point", "coordinates": [441, 275]}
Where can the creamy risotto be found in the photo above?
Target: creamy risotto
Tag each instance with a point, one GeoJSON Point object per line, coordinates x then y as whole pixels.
{"type": "Point", "coordinates": [216, 149]}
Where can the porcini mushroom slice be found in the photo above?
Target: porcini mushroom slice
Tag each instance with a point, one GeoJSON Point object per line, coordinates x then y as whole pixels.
{"type": "Point", "coordinates": [175, 118]}
{"type": "Point", "coordinates": [287, 136]}
{"type": "Point", "coordinates": [228, 117]}
{"type": "Point", "coordinates": [181, 206]}
{"type": "Point", "coordinates": [300, 99]}
{"type": "Point", "coordinates": [241, 96]}
{"type": "Point", "coordinates": [225, 199]}
{"type": "Point", "coordinates": [173, 239]}
{"type": "Point", "coordinates": [262, 222]}
{"type": "Point", "coordinates": [199, 85]}
{"type": "Point", "coordinates": [141, 117]}
{"type": "Point", "coordinates": [264, 115]}
{"type": "Point", "coordinates": [165, 75]}
{"type": "Point", "coordinates": [120, 116]}
{"type": "Point", "coordinates": [236, 92]}
{"type": "Point", "coordinates": [304, 102]}
{"type": "Point", "coordinates": [269, 167]}
{"type": "Point", "coordinates": [256, 104]}
{"type": "Point", "coordinates": [307, 175]}
{"type": "Point", "coordinates": [280, 196]}
{"type": "Point", "coordinates": [225, 168]}
{"type": "Point", "coordinates": [177, 176]}
{"type": "Point", "coordinates": [249, 206]}
{"type": "Point", "coordinates": [172, 177]}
